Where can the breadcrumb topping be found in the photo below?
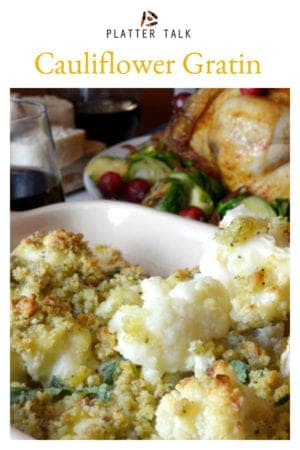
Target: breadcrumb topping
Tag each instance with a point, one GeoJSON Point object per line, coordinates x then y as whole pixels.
{"type": "Point", "coordinates": [100, 351]}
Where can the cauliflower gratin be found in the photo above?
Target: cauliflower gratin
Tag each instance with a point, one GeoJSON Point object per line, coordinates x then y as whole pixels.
{"type": "Point", "coordinates": [101, 351]}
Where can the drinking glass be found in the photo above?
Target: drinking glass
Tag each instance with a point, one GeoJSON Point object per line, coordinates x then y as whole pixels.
{"type": "Point", "coordinates": [34, 175]}
{"type": "Point", "coordinates": [108, 115]}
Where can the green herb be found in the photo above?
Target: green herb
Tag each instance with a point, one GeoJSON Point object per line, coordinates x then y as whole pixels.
{"type": "Point", "coordinates": [56, 382]}
{"type": "Point", "coordinates": [20, 393]}
{"type": "Point", "coordinates": [108, 371]}
{"type": "Point", "coordinates": [57, 391]}
{"type": "Point", "coordinates": [241, 369]}
{"type": "Point", "coordinates": [103, 392]}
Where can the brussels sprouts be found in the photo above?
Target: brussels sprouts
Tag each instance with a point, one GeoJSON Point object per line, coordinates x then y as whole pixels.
{"type": "Point", "coordinates": [224, 205]}
{"type": "Point", "coordinates": [167, 195]}
{"type": "Point", "coordinates": [282, 207]}
{"type": "Point", "coordinates": [212, 186]}
{"type": "Point", "coordinates": [145, 150]}
{"type": "Point", "coordinates": [259, 207]}
{"type": "Point", "coordinates": [184, 178]}
{"type": "Point", "coordinates": [254, 204]}
{"type": "Point", "coordinates": [149, 169]}
{"type": "Point", "coordinates": [165, 156]}
{"type": "Point", "coordinates": [196, 194]}
{"type": "Point", "coordinates": [200, 198]}
{"type": "Point", "coordinates": [96, 168]}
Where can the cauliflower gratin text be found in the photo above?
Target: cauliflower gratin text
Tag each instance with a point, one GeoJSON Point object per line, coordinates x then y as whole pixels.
{"type": "Point", "coordinates": [101, 351]}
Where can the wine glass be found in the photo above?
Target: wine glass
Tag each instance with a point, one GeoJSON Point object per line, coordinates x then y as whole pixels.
{"type": "Point", "coordinates": [34, 175]}
{"type": "Point", "coordinates": [107, 115]}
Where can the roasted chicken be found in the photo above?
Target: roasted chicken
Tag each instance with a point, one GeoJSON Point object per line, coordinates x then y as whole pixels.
{"type": "Point", "coordinates": [243, 139]}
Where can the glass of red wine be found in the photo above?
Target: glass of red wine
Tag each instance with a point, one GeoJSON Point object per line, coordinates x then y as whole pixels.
{"type": "Point", "coordinates": [107, 115]}
{"type": "Point", "coordinates": [34, 175]}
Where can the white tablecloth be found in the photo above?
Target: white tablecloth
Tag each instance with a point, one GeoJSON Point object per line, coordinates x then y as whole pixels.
{"type": "Point", "coordinates": [79, 196]}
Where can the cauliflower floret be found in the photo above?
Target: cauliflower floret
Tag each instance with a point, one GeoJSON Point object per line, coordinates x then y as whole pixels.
{"type": "Point", "coordinates": [216, 406]}
{"type": "Point", "coordinates": [269, 337]}
{"type": "Point", "coordinates": [57, 247]}
{"type": "Point", "coordinates": [157, 335]}
{"type": "Point", "coordinates": [58, 258]}
{"type": "Point", "coordinates": [73, 311]}
{"type": "Point", "coordinates": [117, 297]}
{"type": "Point", "coordinates": [254, 269]}
{"type": "Point", "coordinates": [202, 356]}
{"type": "Point", "coordinates": [62, 349]}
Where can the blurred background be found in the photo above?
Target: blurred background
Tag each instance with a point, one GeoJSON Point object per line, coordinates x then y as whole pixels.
{"type": "Point", "coordinates": [154, 105]}
{"type": "Point", "coordinates": [83, 122]}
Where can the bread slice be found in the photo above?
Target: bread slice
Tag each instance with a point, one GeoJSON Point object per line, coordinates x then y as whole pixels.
{"type": "Point", "coordinates": [93, 147]}
{"type": "Point", "coordinates": [69, 143]}
{"type": "Point", "coordinates": [60, 111]}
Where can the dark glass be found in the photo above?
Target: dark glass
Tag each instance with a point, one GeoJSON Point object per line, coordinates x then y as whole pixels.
{"type": "Point", "coordinates": [34, 176]}
{"type": "Point", "coordinates": [31, 188]}
{"type": "Point", "coordinates": [110, 120]}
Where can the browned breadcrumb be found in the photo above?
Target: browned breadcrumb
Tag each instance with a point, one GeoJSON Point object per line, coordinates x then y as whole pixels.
{"type": "Point", "coordinates": [62, 297]}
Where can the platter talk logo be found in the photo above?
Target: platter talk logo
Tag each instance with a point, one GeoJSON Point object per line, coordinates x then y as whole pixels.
{"type": "Point", "coordinates": [147, 28]}
{"type": "Point", "coordinates": [149, 19]}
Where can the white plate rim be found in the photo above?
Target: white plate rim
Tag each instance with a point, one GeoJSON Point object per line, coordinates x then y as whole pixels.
{"type": "Point", "coordinates": [115, 150]}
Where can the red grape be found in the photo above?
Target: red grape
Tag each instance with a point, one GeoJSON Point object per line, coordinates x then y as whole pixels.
{"type": "Point", "coordinates": [192, 212]}
{"type": "Point", "coordinates": [136, 189]}
{"type": "Point", "coordinates": [252, 91]}
{"type": "Point", "coordinates": [111, 184]}
{"type": "Point", "coordinates": [178, 101]}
